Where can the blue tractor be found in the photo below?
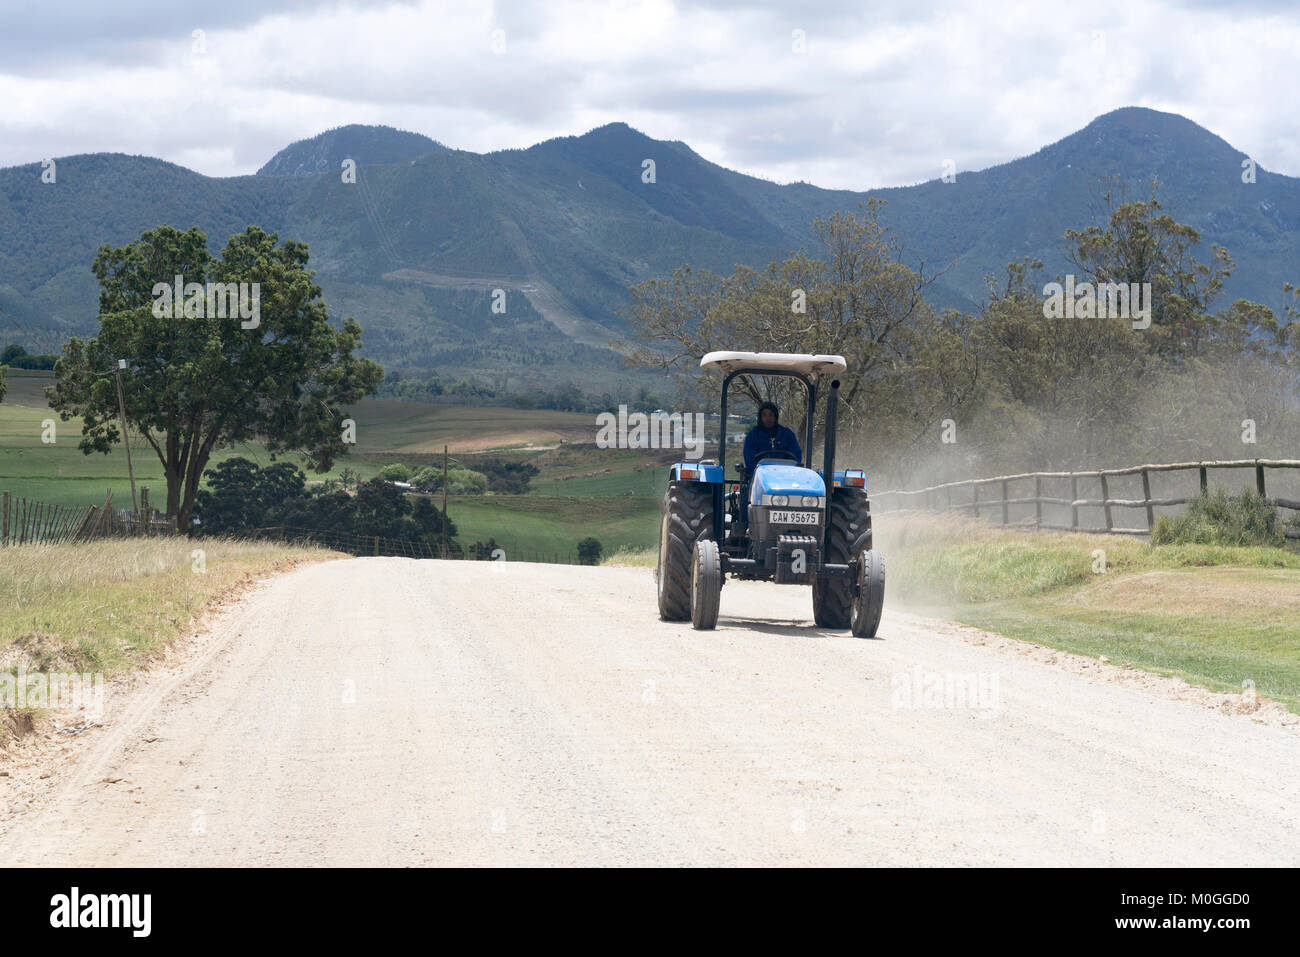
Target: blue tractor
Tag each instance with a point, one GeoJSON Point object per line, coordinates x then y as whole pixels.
{"type": "Point", "coordinates": [805, 526]}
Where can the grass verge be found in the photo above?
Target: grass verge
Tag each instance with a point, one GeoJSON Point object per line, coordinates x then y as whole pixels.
{"type": "Point", "coordinates": [1221, 617]}
{"type": "Point", "coordinates": [108, 606]}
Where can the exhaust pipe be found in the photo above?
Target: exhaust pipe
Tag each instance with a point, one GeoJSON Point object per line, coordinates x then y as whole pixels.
{"type": "Point", "coordinates": [828, 459]}
{"type": "Point", "coordinates": [832, 418]}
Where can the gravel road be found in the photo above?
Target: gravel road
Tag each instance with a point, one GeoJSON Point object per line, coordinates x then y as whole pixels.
{"type": "Point", "coordinates": [399, 712]}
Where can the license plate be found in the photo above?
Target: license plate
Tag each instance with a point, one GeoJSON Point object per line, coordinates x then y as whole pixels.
{"type": "Point", "coordinates": [794, 518]}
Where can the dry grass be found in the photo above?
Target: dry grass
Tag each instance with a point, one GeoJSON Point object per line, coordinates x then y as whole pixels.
{"type": "Point", "coordinates": [625, 557]}
{"type": "Point", "coordinates": [105, 605]}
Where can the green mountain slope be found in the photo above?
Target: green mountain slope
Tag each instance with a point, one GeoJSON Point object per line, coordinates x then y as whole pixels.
{"type": "Point", "coordinates": [415, 247]}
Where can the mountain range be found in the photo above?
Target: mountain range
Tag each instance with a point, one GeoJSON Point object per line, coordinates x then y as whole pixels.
{"type": "Point", "coordinates": [415, 246]}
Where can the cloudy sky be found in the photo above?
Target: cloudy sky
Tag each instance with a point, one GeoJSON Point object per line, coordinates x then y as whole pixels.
{"type": "Point", "coordinates": [848, 93]}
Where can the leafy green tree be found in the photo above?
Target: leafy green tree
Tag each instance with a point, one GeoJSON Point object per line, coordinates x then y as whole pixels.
{"type": "Point", "coordinates": [430, 520]}
{"type": "Point", "coordinates": [1142, 244]}
{"type": "Point", "coordinates": [198, 383]}
{"type": "Point", "coordinates": [396, 472]}
{"type": "Point", "coordinates": [427, 477]}
{"type": "Point", "coordinates": [240, 495]}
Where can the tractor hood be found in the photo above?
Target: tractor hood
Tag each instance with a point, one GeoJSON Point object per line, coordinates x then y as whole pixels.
{"type": "Point", "coordinates": [781, 478]}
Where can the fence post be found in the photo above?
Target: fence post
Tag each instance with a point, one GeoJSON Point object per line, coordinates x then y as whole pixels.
{"type": "Point", "coordinates": [1146, 496]}
{"type": "Point", "coordinates": [1074, 497]}
{"type": "Point", "coordinates": [1004, 502]}
{"type": "Point", "coordinates": [1205, 481]}
{"type": "Point", "coordinates": [144, 511]}
{"type": "Point", "coordinates": [1038, 500]}
{"type": "Point", "coordinates": [1259, 478]}
{"type": "Point", "coordinates": [975, 497]}
{"type": "Point", "coordinates": [1105, 501]}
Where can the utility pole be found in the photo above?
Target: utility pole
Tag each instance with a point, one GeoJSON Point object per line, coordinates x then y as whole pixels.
{"type": "Point", "coordinates": [444, 501]}
{"type": "Point", "coordinates": [121, 408]}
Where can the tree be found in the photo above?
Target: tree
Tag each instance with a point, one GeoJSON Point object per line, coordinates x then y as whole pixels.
{"type": "Point", "coordinates": [240, 495]}
{"type": "Point", "coordinates": [396, 472]}
{"type": "Point", "coordinates": [198, 379]}
{"type": "Point", "coordinates": [858, 299]}
{"type": "Point", "coordinates": [1141, 244]}
{"type": "Point", "coordinates": [589, 552]}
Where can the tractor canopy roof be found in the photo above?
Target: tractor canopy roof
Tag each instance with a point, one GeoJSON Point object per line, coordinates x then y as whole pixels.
{"type": "Point", "coordinates": [774, 361]}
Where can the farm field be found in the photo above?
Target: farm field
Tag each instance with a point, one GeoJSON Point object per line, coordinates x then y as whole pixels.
{"type": "Point", "coordinates": [581, 491]}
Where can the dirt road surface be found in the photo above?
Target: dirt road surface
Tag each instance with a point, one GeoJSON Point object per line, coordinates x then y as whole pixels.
{"type": "Point", "coordinates": [395, 712]}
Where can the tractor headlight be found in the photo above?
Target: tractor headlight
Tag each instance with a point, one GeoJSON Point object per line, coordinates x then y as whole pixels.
{"type": "Point", "coordinates": [780, 500]}
{"type": "Point", "coordinates": [811, 501]}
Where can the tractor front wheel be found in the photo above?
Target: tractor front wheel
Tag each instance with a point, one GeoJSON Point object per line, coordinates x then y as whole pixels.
{"type": "Point", "coordinates": [706, 585]}
{"type": "Point", "coordinates": [849, 535]}
{"type": "Point", "coordinates": [687, 518]}
{"type": "Point", "coordinates": [869, 602]}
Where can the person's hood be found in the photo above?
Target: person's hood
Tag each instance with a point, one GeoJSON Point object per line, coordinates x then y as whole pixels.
{"type": "Point", "coordinates": [776, 423]}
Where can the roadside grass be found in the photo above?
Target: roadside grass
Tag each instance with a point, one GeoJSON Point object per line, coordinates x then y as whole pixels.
{"type": "Point", "coordinates": [625, 557]}
{"type": "Point", "coordinates": [1217, 616]}
{"type": "Point", "coordinates": [108, 605]}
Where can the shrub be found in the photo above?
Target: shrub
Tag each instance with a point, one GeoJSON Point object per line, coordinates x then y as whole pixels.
{"type": "Point", "coordinates": [589, 550]}
{"type": "Point", "coordinates": [1217, 518]}
{"type": "Point", "coordinates": [397, 472]}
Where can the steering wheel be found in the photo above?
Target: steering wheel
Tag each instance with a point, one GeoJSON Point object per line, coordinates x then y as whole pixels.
{"type": "Point", "coordinates": [770, 453]}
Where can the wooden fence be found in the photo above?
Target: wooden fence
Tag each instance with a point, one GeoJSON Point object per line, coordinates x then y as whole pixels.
{"type": "Point", "coordinates": [25, 521]}
{"type": "Point", "coordinates": [1004, 497]}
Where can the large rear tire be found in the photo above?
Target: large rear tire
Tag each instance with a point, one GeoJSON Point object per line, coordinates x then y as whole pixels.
{"type": "Point", "coordinates": [849, 535]}
{"type": "Point", "coordinates": [706, 585]}
{"type": "Point", "coordinates": [869, 602]}
{"type": "Point", "coordinates": [687, 518]}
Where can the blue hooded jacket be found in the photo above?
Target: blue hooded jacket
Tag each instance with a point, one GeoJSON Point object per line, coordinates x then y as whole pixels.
{"type": "Point", "coordinates": [758, 440]}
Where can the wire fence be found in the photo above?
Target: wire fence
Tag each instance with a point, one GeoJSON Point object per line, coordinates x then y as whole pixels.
{"type": "Point", "coordinates": [1029, 508]}
{"type": "Point", "coordinates": [25, 521]}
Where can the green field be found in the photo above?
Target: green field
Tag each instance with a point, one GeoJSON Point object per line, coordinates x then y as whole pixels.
{"type": "Point", "coordinates": [538, 528]}
{"type": "Point", "coordinates": [60, 473]}
{"type": "Point", "coordinates": [582, 491]}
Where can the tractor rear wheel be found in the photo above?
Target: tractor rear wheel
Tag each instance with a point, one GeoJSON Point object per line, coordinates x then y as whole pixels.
{"type": "Point", "coordinates": [687, 518]}
{"type": "Point", "coordinates": [849, 535]}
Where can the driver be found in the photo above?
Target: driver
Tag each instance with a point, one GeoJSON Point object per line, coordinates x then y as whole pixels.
{"type": "Point", "coordinates": [769, 434]}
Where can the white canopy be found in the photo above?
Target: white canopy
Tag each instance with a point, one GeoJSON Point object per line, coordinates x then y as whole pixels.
{"type": "Point", "coordinates": [784, 361]}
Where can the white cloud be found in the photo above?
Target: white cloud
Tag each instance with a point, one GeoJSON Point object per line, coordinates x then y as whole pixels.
{"type": "Point", "coordinates": [883, 94]}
